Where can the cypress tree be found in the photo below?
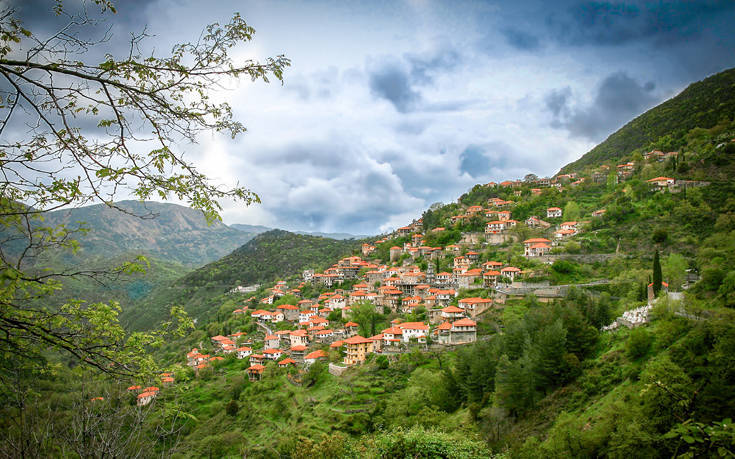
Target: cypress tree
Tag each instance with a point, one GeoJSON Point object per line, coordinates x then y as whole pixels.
{"type": "Point", "coordinates": [657, 276]}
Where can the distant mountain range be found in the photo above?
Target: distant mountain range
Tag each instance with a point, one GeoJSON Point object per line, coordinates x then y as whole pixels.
{"type": "Point", "coordinates": [166, 231]}
{"type": "Point", "coordinates": [257, 229]}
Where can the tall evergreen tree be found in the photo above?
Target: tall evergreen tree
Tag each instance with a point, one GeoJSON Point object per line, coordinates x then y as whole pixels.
{"type": "Point", "coordinates": [657, 276]}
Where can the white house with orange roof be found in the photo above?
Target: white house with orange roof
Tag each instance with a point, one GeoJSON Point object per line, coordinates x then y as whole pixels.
{"type": "Point", "coordinates": [272, 354]}
{"type": "Point", "coordinates": [299, 338]}
{"type": "Point", "coordinates": [392, 336]}
{"type": "Point", "coordinates": [414, 330]}
{"type": "Point", "coordinates": [244, 352]}
{"type": "Point", "coordinates": [661, 183]}
{"type": "Point", "coordinates": [553, 212]}
{"type": "Point", "coordinates": [536, 246]}
{"type": "Point", "coordinates": [510, 272]}
{"type": "Point", "coordinates": [495, 227]}
{"type": "Point", "coordinates": [452, 313]}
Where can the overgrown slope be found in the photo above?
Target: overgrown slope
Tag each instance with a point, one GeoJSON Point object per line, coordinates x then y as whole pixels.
{"type": "Point", "coordinates": [702, 104]}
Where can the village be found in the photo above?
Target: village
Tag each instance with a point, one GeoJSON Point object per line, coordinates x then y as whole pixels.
{"type": "Point", "coordinates": [322, 327]}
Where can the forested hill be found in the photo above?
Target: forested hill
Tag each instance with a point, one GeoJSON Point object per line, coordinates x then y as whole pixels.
{"type": "Point", "coordinates": [268, 256]}
{"type": "Point", "coordinates": [701, 105]}
{"type": "Point", "coordinates": [167, 231]}
{"type": "Point", "coordinates": [276, 254]}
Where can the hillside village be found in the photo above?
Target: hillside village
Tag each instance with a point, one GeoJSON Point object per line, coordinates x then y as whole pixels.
{"type": "Point", "coordinates": [435, 294]}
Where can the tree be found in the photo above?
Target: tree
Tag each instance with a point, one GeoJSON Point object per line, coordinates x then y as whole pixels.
{"type": "Point", "coordinates": [93, 131]}
{"type": "Point", "coordinates": [367, 318]}
{"type": "Point", "coordinates": [657, 275]}
{"type": "Point", "coordinates": [571, 211]}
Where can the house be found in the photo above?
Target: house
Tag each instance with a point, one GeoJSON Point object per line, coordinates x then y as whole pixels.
{"type": "Point", "coordinates": [255, 372]}
{"type": "Point", "coordinates": [472, 210]}
{"type": "Point", "coordinates": [367, 249]}
{"type": "Point", "coordinates": [564, 233]}
{"type": "Point", "coordinates": [661, 183]}
{"type": "Point", "coordinates": [570, 226]}
{"type": "Point", "coordinates": [337, 302]}
{"type": "Point", "coordinates": [510, 272]}
{"type": "Point", "coordinates": [536, 247]}
{"type": "Point", "coordinates": [453, 248]}
{"type": "Point", "coordinates": [271, 341]}
{"type": "Point", "coordinates": [306, 315]}
{"type": "Point", "coordinates": [553, 212]}
{"type": "Point", "coordinates": [452, 313]}
{"type": "Point", "coordinates": [314, 356]}
{"type": "Point", "coordinates": [377, 342]}
{"type": "Point", "coordinates": [494, 227]}
{"type": "Point", "coordinates": [467, 279]}
{"type": "Point", "coordinates": [475, 306]}
{"type": "Point", "coordinates": [403, 231]}
{"type": "Point", "coordinates": [463, 331]}
{"type": "Point", "coordinates": [504, 215]}
{"type": "Point", "coordinates": [298, 352]}
{"type": "Point", "coordinates": [286, 362]}
{"type": "Point", "coordinates": [599, 213]}
{"type": "Point", "coordinates": [392, 336]}
{"type": "Point", "coordinates": [414, 330]}
{"type": "Point", "coordinates": [290, 312]}
{"type": "Point", "coordinates": [351, 328]}
{"type": "Point", "coordinates": [243, 352]}
{"type": "Point", "coordinates": [323, 336]}
{"type": "Point", "coordinates": [357, 349]}
{"type": "Point", "coordinates": [272, 354]}
{"type": "Point", "coordinates": [256, 358]}
{"type": "Point", "coordinates": [299, 338]}
{"type": "Point", "coordinates": [535, 222]}
{"type": "Point", "coordinates": [490, 278]}
{"type": "Point", "coordinates": [444, 278]}
{"type": "Point", "coordinates": [536, 191]}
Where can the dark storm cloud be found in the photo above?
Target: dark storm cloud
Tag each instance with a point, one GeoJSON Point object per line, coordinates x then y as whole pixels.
{"type": "Point", "coordinates": [557, 101]}
{"type": "Point", "coordinates": [617, 23]}
{"type": "Point", "coordinates": [38, 15]}
{"type": "Point", "coordinates": [398, 81]}
{"type": "Point", "coordinates": [619, 98]}
{"type": "Point", "coordinates": [392, 83]}
{"type": "Point", "coordinates": [520, 39]}
{"type": "Point", "coordinates": [473, 161]}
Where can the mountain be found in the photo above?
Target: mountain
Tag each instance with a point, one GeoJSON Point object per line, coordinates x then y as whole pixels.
{"type": "Point", "coordinates": [257, 229]}
{"type": "Point", "coordinates": [701, 105]}
{"type": "Point", "coordinates": [167, 231]}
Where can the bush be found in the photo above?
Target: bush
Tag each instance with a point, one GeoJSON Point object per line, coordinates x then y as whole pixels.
{"type": "Point", "coordinates": [232, 408]}
{"type": "Point", "coordinates": [638, 343]}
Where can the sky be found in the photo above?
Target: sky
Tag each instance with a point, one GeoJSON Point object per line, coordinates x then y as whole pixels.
{"type": "Point", "coordinates": [391, 106]}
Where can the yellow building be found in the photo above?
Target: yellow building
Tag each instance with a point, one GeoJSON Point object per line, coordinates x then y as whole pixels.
{"type": "Point", "coordinates": [357, 349]}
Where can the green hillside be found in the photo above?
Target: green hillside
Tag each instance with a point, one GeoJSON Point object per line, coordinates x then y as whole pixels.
{"type": "Point", "coordinates": [701, 105]}
{"type": "Point", "coordinates": [276, 254]}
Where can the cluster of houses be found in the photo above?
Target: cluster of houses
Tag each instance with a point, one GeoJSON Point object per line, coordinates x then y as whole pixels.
{"type": "Point", "coordinates": [147, 394]}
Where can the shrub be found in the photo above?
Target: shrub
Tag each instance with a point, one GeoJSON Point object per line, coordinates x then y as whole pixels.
{"type": "Point", "coordinates": [232, 408]}
{"type": "Point", "coordinates": [638, 343]}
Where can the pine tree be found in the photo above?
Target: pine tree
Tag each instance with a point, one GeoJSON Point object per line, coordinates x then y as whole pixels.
{"type": "Point", "coordinates": [657, 276]}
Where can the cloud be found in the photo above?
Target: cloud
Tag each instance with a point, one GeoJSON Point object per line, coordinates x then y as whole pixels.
{"type": "Point", "coordinates": [520, 39]}
{"type": "Point", "coordinates": [425, 67]}
{"type": "Point", "coordinates": [392, 82]}
{"type": "Point", "coordinates": [398, 80]}
{"type": "Point", "coordinates": [617, 23]}
{"type": "Point", "coordinates": [473, 161]}
{"type": "Point", "coordinates": [619, 98]}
